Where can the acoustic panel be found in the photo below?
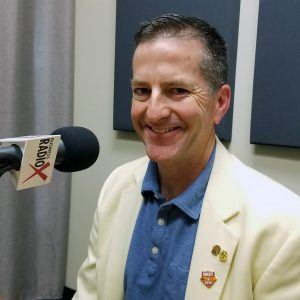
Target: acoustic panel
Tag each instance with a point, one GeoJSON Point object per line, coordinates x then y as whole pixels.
{"type": "Point", "coordinates": [224, 15]}
{"type": "Point", "coordinates": [275, 116]}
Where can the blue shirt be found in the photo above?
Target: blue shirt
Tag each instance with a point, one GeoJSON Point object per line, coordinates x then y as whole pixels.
{"type": "Point", "coordinates": [162, 243]}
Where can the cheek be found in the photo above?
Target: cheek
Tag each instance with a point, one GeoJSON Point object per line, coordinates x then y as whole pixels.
{"type": "Point", "coordinates": [137, 110]}
{"type": "Point", "coordinates": [194, 112]}
{"type": "Point", "coordinates": [199, 118]}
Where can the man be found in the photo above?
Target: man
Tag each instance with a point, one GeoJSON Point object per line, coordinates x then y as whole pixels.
{"type": "Point", "coordinates": [190, 221]}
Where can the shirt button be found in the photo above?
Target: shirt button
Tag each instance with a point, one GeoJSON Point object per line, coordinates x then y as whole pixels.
{"type": "Point", "coordinates": [160, 221]}
{"type": "Point", "coordinates": [154, 250]}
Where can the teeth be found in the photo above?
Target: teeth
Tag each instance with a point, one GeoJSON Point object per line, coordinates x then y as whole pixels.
{"type": "Point", "coordinates": [162, 130]}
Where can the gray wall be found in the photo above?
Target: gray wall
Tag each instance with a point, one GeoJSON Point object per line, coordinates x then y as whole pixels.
{"type": "Point", "coordinates": [94, 65]}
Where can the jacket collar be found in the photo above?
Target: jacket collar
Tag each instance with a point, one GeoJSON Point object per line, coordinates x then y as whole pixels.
{"type": "Point", "coordinates": [222, 190]}
{"type": "Point", "coordinates": [221, 183]}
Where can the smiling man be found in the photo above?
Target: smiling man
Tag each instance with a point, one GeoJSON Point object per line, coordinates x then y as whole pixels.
{"type": "Point", "coordinates": [174, 108]}
{"type": "Point", "coordinates": [189, 221]}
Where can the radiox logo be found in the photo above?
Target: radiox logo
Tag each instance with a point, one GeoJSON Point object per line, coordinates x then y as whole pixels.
{"type": "Point", "coordinates": [41, 163]}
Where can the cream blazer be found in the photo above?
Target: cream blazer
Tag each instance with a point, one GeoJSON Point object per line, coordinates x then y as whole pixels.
{"type": "Point", "coordinates": [255, 220]}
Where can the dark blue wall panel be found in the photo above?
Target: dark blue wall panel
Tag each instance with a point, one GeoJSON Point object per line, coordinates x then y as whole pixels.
{"type": "Point", "coordinates": [276, 96]}
{"type": "Point", "coordinates": [224, 15]}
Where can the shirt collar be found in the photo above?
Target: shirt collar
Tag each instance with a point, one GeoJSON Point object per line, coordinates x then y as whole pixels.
{"type": "Point", "coordinates": [151, 182]}
{"type": "Point", "coordinates": [190, 200]}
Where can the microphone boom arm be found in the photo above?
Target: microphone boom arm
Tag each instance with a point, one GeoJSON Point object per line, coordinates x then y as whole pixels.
{"type": "Point", "coordinates": [10, 158]}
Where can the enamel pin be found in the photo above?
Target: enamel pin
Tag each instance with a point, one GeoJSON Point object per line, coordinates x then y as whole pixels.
{"type": "Point", "coordinates": [208, 278]}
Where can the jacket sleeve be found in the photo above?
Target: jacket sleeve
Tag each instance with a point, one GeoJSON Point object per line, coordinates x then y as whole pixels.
{"type": "Point", "coordinates": [281, 279]}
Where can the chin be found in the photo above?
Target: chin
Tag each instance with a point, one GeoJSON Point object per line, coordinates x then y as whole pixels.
{"type": "Point", "coordinates": [160, 154]}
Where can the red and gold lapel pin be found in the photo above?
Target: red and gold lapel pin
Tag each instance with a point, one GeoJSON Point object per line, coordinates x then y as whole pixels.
{"type": "Point", "coordinates": [208, 278]}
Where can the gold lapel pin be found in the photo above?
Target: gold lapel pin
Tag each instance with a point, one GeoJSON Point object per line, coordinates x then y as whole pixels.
{"type": "Point", "coordinates": [223, 255]}
{"type": "Point", "coordinates": [208, 278]}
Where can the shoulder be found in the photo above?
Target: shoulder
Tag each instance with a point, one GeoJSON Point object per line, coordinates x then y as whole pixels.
{"type": "Point", "coordinates": [132, 171]}
{"type": "Point", "coordinates": [124, 177]}
{"type": "Point", "coordinates": [256, 195]}
{"type": "Point", "coordinates": [264, 193]}
{"type": "Point", "coordinates": [268, 209]}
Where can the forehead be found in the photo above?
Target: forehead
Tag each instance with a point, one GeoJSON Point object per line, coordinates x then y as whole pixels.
{"type": "Point", "coordinates": [164, 57]}
{"type": "Point", "coordinates": [171, 46]}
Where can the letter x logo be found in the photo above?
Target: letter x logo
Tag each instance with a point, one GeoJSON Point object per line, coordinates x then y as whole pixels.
{"type": "Point", "coordinates": [38, 172]}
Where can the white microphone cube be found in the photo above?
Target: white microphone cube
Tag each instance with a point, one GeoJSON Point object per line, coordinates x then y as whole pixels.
{"type": "Point", "coordinates": [39, 154]}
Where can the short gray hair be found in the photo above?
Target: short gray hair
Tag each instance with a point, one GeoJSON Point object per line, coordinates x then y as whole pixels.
{"type": "Point", "coordinates": [214, 62]}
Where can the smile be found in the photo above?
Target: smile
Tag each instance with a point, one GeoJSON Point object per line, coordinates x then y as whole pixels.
{"type": "Point", "coordinates": [162, 130]}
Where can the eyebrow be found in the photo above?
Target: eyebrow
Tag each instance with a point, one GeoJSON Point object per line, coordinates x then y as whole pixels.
{"type": "Point", "coordinates": [138, 82]}
{"type": "Point", "coordinates": [167, 83]}
{"type": "Point", "coordinates": [179, 82]}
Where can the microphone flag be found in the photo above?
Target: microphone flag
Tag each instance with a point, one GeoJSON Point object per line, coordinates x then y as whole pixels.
{"type": "Point", "coordinates": [39, 154]}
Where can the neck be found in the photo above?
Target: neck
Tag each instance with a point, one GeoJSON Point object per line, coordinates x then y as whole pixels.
{"type": "Point", "coordinates": [177, 176]}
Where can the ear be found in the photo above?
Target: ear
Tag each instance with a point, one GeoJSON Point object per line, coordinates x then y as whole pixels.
{"type": "Point", "coordinates": [222, 103]}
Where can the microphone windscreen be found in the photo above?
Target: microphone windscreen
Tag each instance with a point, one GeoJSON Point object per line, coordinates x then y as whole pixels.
{"type": "Point", "coordinates": [81, 148]}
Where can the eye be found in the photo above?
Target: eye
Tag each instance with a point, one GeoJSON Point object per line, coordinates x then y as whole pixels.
{"type": "Point", "coordinates": [178, 93]}
{"type": "Point", "coordinates": [141, 93]}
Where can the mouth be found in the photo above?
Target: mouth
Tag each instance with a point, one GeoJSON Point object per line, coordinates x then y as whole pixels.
{"type": "Point", "coordinates": [161, 130]}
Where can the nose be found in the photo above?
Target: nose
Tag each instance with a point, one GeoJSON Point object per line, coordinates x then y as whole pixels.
{"type": "Point", "coordinates": [158, 107]}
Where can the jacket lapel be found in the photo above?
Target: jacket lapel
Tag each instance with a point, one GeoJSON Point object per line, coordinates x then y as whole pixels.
{"type": "Point", "coordinates": [220, 208]}
{"type": "Point", "coordinates": [211, 232]}
{"type": "Point", "coordinates": [128, 209]}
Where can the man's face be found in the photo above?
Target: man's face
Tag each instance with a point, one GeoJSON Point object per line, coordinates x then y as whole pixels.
{"type": "Point", "coordinates": [172, 110]}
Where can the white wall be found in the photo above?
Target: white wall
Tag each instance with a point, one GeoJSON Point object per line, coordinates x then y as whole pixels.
{"type": "Point", "coordinates": [94, 75]}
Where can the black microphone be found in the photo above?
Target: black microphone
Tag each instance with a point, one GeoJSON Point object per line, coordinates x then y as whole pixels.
{"type": "Point", "coordinates": [78, 150]}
